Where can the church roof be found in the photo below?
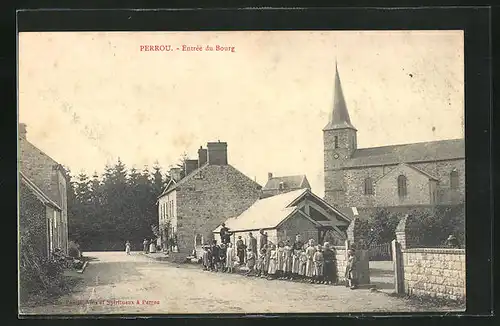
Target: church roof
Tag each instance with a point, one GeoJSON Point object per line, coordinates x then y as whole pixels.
{"type": "Point", "coordinates": [289, 182]}
{"type": "Point", "coordinates": [408, 153]}
{"type": "Point", "coordinates": [339, 118]}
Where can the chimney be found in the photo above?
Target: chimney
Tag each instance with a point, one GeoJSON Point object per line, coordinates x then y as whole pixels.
{"type": "Point", "coordinates": [22, 130]}
{"type": "Point", "coordinates": [190, 166]}
{"type": "Point", "coordinates": [217, 153]}
{"type": "Point", "coordinates": [269, 176]}
{"type": "Point", "coordinates": [202, 156]}
{"type": "Point", "coordinates": [175, 173]}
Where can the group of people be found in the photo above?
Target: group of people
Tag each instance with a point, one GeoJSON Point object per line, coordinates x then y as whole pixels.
{"type": "Point", "coordinates": [149, 246]}
{"type": "Point", "coordinates": [306, 262]}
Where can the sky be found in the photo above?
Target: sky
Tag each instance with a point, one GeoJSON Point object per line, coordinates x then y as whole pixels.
{"type": "Point", "coordinates": [90, 97]}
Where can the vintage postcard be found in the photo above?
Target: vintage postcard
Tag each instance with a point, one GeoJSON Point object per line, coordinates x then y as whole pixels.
{"type": "Point", "coordinates": [241, 172]}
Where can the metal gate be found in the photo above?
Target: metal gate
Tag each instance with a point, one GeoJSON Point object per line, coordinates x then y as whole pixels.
{"type": "Point", "coordinates": [380, 252]}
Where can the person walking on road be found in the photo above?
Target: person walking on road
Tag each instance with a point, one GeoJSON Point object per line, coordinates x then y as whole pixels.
{"type": "Point", "coordinates": [145, 244]}
{"type": "Point", "coordinates": [127, 247]}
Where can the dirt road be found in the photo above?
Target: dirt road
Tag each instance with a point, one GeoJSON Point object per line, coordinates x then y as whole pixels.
{"type": "Point", "coordinates": [115, 283]}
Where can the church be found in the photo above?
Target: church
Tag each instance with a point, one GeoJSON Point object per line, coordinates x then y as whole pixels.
{"type": "Point", "coordinates": [396, 176]}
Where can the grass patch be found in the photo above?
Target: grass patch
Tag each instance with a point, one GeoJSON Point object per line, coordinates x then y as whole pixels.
{"type": "Point", "coordinates": [431, 302]}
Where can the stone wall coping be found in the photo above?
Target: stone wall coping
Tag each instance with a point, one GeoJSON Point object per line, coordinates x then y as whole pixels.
{"type": "Point", "coordinates": [435, 251]}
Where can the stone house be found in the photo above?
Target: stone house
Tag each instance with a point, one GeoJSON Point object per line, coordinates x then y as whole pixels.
{"type": "Point", "coordinates": [43, 179]}
{"type": "Point", "coordinates": [38, 215]}
{"type": "Point", "coordinates": [280, 185]}
{"type": "Point", "coordinates": [408, 175]}
{"type": "Point", "coordinates": [211, 191]}
{"type": "Point", "coordinates": [285, 215]}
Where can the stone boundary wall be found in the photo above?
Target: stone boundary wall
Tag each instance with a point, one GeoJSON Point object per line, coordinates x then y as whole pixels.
{"type": "Point", "coordinates": [341, 259]}
{"type": "Point", "coordinates": [435, 272]}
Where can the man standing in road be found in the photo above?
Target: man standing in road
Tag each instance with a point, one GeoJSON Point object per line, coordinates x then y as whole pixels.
{"type": "Point", "coordinates": [240, 250]}
{"type": "Point", "coordinates": [146, 245]}
{"type": "Point", "coordinates": [263, 239]}
{"type": "Point", "coordinates": [252, 242]}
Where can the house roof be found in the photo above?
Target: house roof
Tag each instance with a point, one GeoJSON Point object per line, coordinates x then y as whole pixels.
{"type": "Point", "coordinates": [174, 185]}
{"type": "Point", "coordinates": [408, 153]}
{"type": "Point", "coordinates": [35, 155]}
{"type": "Point", "coordinates": [269, 213]}
{"type": "Point", "coordinates": [265, 213]}
{"type": "Point", "coordinates": [339, 118]}
{"type": "Point", "coordinates": [38, 192]}
{"type": "Point", "coordinates": [289, 182]}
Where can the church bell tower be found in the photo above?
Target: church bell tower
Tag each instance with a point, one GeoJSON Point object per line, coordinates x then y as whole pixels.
{"type": "Point", "coordinates": [339, 139]}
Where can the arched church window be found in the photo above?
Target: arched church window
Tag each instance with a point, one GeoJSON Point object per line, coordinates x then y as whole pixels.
{"type": "Point", "coordinates": [402, 191]}
{"type": "Point", "coordinates": [336, 141]}
{"type": "Point", "coordinates": [368, 186]}
{"type": "Point", "coordinates": [454, 178]}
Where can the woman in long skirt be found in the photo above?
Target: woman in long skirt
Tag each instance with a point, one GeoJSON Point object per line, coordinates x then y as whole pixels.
{"type": "Point", "coordinates": [302, 263]}
{"type": "Point", "coordinates": [229, 258]}
{"type": "Point", "coordinates": [152, 246]}
{"type": "Point", "coordinates": [272, 262]}
{"type": "Point", "coordinates": [287, 261]}
{"type": "Point", "coordinates": [329, 268]}
{"type": "Point", "coordinates": [267, 258]}
{"type": "Point", "coordinates": [310, 251]}
{"type": "Point", "coordinates": [295, 263]}
{"type": "Point", "coordinates": [279, 260]}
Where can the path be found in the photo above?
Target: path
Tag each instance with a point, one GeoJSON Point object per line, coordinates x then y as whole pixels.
{"type": "Point", "coordinates": [115, 283]}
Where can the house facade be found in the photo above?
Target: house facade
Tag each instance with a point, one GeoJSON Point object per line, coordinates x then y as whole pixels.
{"type": "Point", "coordinates": [408, 175]}
{"type": "Point", "coordinates": [211, 191]}
{"type": "Point", "coordinates": [285, 215]}
{"type": "Point", "coordinates": [43, 178]}
{"type": "Point", "coordinates": [279, 185]}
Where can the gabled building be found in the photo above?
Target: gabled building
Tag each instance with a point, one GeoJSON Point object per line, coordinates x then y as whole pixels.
{"type": "Point", "coordinates": [280, 185]}
{"type": "Point", "coordinates": [211, 191]}
{"type": "Point", "coordinates": [285, 215]}
{"type": "Point", "coordinates": [43, 179]}
{"type": "Point", "coordinates": [396, 176]}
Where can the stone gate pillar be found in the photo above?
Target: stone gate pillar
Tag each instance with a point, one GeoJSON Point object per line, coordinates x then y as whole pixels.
{"type": "Point", "coordinates": [404, 233]}
{"type": "Point", "coordinates": [356, 241]}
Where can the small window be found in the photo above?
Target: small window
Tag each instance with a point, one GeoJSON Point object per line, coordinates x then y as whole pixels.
{"type": "Point", "coordinates": [454, 179]}
{"type": "Point", "coordinates": [368, 186]}
{"type": "Point", "coordinates": [402, 191]}
{"type": "Point", "coordinates": [336, 141]}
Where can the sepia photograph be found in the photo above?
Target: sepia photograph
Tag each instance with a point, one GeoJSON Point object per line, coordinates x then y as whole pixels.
{"type": "Point", "coordinates": [248, 172]}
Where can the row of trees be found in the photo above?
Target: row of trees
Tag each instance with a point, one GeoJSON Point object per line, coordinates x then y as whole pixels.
{"type": "Point", "coordinates": [107, 210]}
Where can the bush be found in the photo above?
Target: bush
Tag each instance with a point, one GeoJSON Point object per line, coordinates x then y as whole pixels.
{"type": "Point", "coordinates": [73, 250]}
{"type": "Point", "coordinates": [38, 275]}
{"type": "Point", "coordinates": [432, 228]}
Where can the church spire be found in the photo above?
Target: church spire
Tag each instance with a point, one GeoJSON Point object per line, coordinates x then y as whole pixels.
{"type": "Point", "coordinates": [339, 117]}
